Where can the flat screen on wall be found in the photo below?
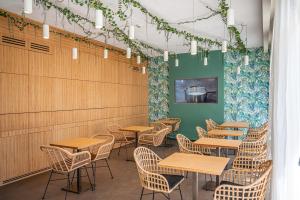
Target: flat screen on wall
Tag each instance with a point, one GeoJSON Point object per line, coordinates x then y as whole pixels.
{"type": "Point", "coordinates": [197, 90]}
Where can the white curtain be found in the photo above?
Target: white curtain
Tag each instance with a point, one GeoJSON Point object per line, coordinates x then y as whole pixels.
{"type": "Point", "coordinates": [285, 101]}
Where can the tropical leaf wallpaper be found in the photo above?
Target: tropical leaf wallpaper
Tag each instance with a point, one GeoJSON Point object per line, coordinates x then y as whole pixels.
{"type": "Point", "coordinates": [246, 95]}
{"type": "Point", "coordinates": [158, 74]}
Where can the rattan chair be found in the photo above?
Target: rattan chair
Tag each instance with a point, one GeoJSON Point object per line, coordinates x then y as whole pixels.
{"type": "Point", "coordinates": [159, 126]}
{"type": "Point", "coordinates": [249, 162]}
{"type": "Point", "coordinates": [203, 133]}
{"type": "Point", "coordinates": [122, 138]}
{"type": "Point", "coordinates": [155, 178]}
{"type": "Point", "coordinates": [187, 146]}
{"type": "Point", "coordinates": [177, 125]}
{"type": "Point", "coordinates": [245, 185]}
{"type": "Point", "coordinates": [253, 147]}
{"type": "Point", "coordinates": [255, 134]}
{"type": "Point", "coordinates": [211, 125]}
{"type": "Point", "coordinates": [63, 162]}
{"type": "Point", "coordinates": [101, 152]}
{"type": "Point", "coordinates": [155, 138]}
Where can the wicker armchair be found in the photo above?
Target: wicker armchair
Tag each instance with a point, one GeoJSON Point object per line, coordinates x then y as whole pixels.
{"type": "Point", "coordinates": [177, 125]}
{"type": "Point", "coordinates": [248, 162]}
{"type": "Point", "coordinates": [187, 146]}
{"type": "Point", "coordinates": [122, 138]}
{"type": "Point", "coordinates": [211, 125]}
{"type": "Point", "coordinates": [203, 133]}
{"type": "Point", "coordinates": [254, 147]}
{"type": "Point", "coordinates": [101, 152]}
{"type": "Point", "coordinates": [255, 134]}
{"type": "Point", "coordinates": [244, 185]}
{"type": "Point", "coordinates": [153, 177]}
{"type": "Point", "coordinates": [154, 138]}
{"type": "Point", "coordinates": [63, 162]}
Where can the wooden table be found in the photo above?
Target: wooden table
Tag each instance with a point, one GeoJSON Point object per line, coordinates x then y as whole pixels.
{"type": "Point", "coordinates": [234, 124]}
{"type": "Point", "coordinates": [196, 164]}
{"type": "Point", "coordinates": [77, 144]}
{"type": "Point", "coordinates": [218, 144]}
{"type": "Point", "coordinates": [217, 132]}
{"type": "Point", "coordinates": [137, 130]}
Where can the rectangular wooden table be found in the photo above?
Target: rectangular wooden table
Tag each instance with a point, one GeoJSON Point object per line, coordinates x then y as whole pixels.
{"type": "Point", "coordinates": [232, 133]}
{"type": "Point", "coordinates": [77, 144]}
{"type": "Point", "coordinates": [137, 130]}
{"type": "Point", "coordinates": [219, 143]}
{"type": "Point", "coordinates": [196, 164]}
{"type": "Point", "coordinates": [234, 124]}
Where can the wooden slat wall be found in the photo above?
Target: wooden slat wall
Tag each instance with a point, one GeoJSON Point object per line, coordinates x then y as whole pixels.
{"type": "Point", "coordinates": [47, 96]}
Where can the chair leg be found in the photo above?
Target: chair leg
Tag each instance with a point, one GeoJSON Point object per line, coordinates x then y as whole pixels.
{"type": "Point", "coordinates": [120, 148]}
{"type": "Point", "coordinates": [153, 195]}
{"type": "Point", "coordinates": [109, 168]}
{"type": "Point", "coordinates": [87, 173]}
{"type": "Point", "coordinates": [73, 177]}
{"type": "Point", "coordinates": [180, 192]}
{"type": "Point", "coordinates": [94, 174]}
{"type": "Point", "coordinates": [47, 184]}
{"type": "Point", "coordinates": [126, 152]}
{"type": "Point", "coordinates": [68, 185]}
{"type": "Point", "coordinates": [142, 193]}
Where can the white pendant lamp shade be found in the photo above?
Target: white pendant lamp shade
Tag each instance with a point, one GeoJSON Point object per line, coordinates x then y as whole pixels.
{"type": "Point", "coordinates": [74, 53]}
{"type": "Point", "coordinates": [143, 70]}
{"type": "Point", "coordinates": [28, 6]}
{"type": "Point", "coordinates": [131, 32]}
{"type": "Point", "coordinates": [224, 46]}
{"type": "Point", "coordinates": [238, 70]}
{"type": "Point", "coordinates": [99, 19]}
{"type": "Point", "coordinates": [105, 53]}
{"type": "Point", "coordinates": [230, 17]}
{"type": "Point", "coordinates": [246, 60]}
{"type": "Point", "coordinates": [193, 47]}
{"type": "Point", "coordinates": [46, 33]}
{"type": "Point", "coordinates": [166, 56]}
{"type": "Point", "coordinates": [205, 61]}
{"type": "Point", "coordinates": [138, 59]}
{"type": "Point", "coordinates": [176, 62]}
{"type": "Point", "coordinates": [128, 53]}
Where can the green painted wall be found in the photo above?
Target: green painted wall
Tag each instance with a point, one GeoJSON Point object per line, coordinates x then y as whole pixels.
{"type": "Point", "coordinates": [195, 114]}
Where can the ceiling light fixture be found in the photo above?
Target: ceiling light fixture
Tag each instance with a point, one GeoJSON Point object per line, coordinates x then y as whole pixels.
{"type": "Point", "coordinates": [128, 53]}
{"type": "Point", "coordinates": [105, 53]}
{"type": "Point", "coordinates": [46, 32]}
{"type": "Point", "coordinates": [28, 6]}
{"type": "Point", "coordinates": [74, 53]}
{"type": "Point", "coordinates": [99, 19]}
{"type": "Point", "coordinates": [193, 47]}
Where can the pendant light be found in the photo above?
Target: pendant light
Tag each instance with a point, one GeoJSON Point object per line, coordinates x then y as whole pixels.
{"type": "Point", "coordinates": [74, 53]}
{"type": "Point", "coordinates": [105, 53]}
{"type": "Point", "coordinates": [28, 6]}
{"type": "Point", "coordinates": [46, 33]}
{"type": "Point", "coordinates": [131, 32]}
{"type": "Point", "coordinates": [224, 46]}
{"type": "Point", "coordinates": [99, 19]}
{"type": "Point", "coordinates": [166, 56]}
{"type": "Point", "coordinates": [128, 53]}
{"type": "Point", "coordinates": [138, 59]}
{"type": "Point", "coordinates": [193, 47]}
{"type": "Point", "coordinates": [230, 17]}
{"type": "Point", "coordinates": [246, 60]}
{"type": "Point", "coordinates": [143, 70]}
{"type": "Point", "coordinates": [205, 61]}
{"type": "Point", "coordinates": [176, 62]}
{"type": "Point", "coordinates": [238, 70]}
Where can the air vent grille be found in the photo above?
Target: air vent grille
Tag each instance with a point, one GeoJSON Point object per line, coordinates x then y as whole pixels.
{"type": "Point", "coordinates": [13, 41]}
{"type": "Point", "coordinates": [39, 47]}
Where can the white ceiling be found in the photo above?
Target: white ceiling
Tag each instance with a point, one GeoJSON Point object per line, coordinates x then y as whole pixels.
{"type": "Point", "coordinates": [247, 12]}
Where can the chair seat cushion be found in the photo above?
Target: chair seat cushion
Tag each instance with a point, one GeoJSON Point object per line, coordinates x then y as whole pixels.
{"type": "Point", "coordinates": [229, 183]}
{"type": "Point", "coordinates": [173, 180]}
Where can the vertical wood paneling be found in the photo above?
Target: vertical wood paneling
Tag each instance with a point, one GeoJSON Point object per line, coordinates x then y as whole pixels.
{"type": "Point", "coordinates": [46, 97]}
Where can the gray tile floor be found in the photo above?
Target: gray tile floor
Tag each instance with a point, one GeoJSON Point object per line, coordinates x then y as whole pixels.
{"type": "Point", "coordinates": [125, 184]}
